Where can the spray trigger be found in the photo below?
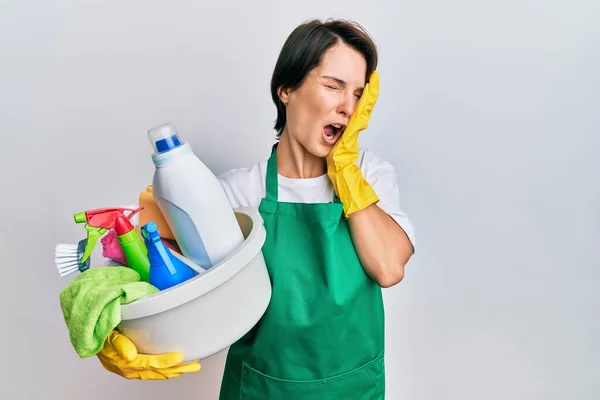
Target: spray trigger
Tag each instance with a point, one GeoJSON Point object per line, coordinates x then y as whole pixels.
{"type": "Point", "coordinates": [98, 221]}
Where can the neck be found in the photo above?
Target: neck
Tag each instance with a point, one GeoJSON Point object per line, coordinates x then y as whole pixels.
{"type": "Point", "coordinates": [294, 161]}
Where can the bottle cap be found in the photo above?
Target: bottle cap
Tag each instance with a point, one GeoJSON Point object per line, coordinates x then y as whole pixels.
{"type": "Point", "coordinates": [151, 228]}
{"type": "Point", "coordinates": [122, 225]}
{"type": "Point", "coordinates": [164, 138]}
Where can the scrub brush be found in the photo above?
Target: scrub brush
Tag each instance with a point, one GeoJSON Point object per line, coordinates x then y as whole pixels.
{"type": "Point", "coordinates": [68, 258]}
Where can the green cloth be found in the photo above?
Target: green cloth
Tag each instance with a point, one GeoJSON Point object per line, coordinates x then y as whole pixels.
{"type": "Point", "coordinates": [91, 304]}
{"type": "Point", "coordinates": [322, 335]}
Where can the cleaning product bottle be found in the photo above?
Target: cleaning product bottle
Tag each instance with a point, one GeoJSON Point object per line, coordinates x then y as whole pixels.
{"type": "Point", "coordinates": [192, 200]}
{"type": "Point", "coordinates": [133, 247]}
{"type": "Point", "coordinates": [151, 213]}
{"type": "Point", "coordinates": [165, 269]}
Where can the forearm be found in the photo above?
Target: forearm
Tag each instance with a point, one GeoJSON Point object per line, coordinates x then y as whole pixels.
{"type": "Point", "coordinates": [381, 244]}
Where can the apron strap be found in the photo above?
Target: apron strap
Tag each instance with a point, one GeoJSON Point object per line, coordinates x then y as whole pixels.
{"type": "Point", "coordinates": [271, 184]}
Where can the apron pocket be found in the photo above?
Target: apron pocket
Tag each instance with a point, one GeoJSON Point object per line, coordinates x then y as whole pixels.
{"type": "Point", "coordinates": [366, 382]}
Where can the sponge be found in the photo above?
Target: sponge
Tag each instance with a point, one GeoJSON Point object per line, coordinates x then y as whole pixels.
{"type": "Point", "coordinates": [151, 213]}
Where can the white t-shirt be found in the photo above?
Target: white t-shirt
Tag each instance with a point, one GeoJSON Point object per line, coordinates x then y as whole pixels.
{"type": "Point", "coordinates": [245, 187]}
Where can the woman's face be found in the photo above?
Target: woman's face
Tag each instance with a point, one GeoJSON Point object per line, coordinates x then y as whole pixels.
{"type": "Point", "coordinates": [318, 111]}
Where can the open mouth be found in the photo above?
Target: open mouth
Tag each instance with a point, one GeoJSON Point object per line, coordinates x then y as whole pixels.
{"type": "Point", "coordinates": [332, 132]}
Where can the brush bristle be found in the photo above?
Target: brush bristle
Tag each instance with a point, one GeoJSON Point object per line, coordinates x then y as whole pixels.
{"type": "Point", "coordinates": [66, 245]}
{"type": "Point", "coordinates": [66, 258]}
{"type": "Point", "coordinates": [63, 262]}
{"type": "Point", "coordinates": [66, 269]}
{"type": "Point", "coordinates": [63, 256]}
{"type": "Point", "coordinates": [66, 272]}
{"type": "Point", "coordinates": [65, 248]}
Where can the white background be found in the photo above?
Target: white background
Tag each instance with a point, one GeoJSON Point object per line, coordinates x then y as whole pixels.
{"type": "Point", "coordinates": [488, 110]}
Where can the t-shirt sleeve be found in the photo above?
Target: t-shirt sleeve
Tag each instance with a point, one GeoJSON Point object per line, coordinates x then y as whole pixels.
{"type": "Point", "coordinates": [382, 176]}
{"type": "Point", "coordinates": [234, 200]}
{"type": "Point", "coordinates": [244, 187]}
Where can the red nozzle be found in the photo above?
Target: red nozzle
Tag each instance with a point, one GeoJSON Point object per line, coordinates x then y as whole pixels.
{"type": "Point", "coordinates": [105, 217]}
{"type": "Point", "coordinates": [122, 225]}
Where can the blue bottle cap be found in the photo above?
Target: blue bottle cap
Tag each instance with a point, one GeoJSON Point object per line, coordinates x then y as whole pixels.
{"type": "Point", "coordinates": [164, 138]}
{"type": "Point", "coordinates": [151, 227]}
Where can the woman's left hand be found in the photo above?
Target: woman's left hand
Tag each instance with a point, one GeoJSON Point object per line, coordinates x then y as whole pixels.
{"type": "Point", "coordinates": [349, 184]}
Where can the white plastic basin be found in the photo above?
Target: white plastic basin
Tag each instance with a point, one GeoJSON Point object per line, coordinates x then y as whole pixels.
{"type": "Point", "coordinates": [206, 314]}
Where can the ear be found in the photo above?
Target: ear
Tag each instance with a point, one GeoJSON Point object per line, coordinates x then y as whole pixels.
{"type": "Point", "coordinates": [284, 95]}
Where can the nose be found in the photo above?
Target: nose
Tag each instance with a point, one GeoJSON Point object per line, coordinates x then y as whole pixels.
{"type": "Point", "coordinates": [346, 106]}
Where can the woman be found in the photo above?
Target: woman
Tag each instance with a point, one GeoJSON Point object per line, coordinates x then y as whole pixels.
{"type": "Point", "coordinates": [335, 234]}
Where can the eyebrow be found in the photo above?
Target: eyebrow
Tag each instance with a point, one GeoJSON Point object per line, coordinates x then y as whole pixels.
{"type": "Point", "coordinates": [341, 82]}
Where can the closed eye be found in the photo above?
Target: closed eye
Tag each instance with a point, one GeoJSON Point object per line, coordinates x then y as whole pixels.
{"type": "Point", "coordinates": [340, 84]}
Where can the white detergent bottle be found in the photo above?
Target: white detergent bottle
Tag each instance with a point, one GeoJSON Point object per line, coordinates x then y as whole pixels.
{"type": "Point", "coordinates": [192, 200]}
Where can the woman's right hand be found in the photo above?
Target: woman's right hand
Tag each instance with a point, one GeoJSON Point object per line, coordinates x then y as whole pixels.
{"type": "Point", "coordinates": [119, 355]}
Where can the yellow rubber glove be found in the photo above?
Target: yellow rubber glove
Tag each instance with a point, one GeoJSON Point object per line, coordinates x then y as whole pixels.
{"type": "Point", "coordinates": [119, 355]}
{"type": "Point", "coordinates": [349, 184]}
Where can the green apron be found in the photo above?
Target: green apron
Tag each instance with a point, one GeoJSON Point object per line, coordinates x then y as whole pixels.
{"type": "Point", "coordinates": [322, 335]}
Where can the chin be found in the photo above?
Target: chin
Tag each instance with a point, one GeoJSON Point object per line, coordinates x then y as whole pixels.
{"type": "Point", "coordinates": [320, 150]}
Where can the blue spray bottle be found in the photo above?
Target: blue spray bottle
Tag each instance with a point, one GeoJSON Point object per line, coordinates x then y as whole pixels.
{"type": "Point", "coordinates": [166, 270]}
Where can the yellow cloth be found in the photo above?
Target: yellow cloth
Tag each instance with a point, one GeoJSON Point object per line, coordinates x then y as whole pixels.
{"type": "Point", "coordinates": [119, 355]}
{"type": "Point", "coordinates": [349, 184]}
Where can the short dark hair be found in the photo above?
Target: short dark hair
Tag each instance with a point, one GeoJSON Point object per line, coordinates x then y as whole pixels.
{"type": "Point", "coordinates": [303, 50]}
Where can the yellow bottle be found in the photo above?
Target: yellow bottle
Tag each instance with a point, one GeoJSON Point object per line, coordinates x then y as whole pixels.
{"type": "Point", "coordinates": [151, 213]}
